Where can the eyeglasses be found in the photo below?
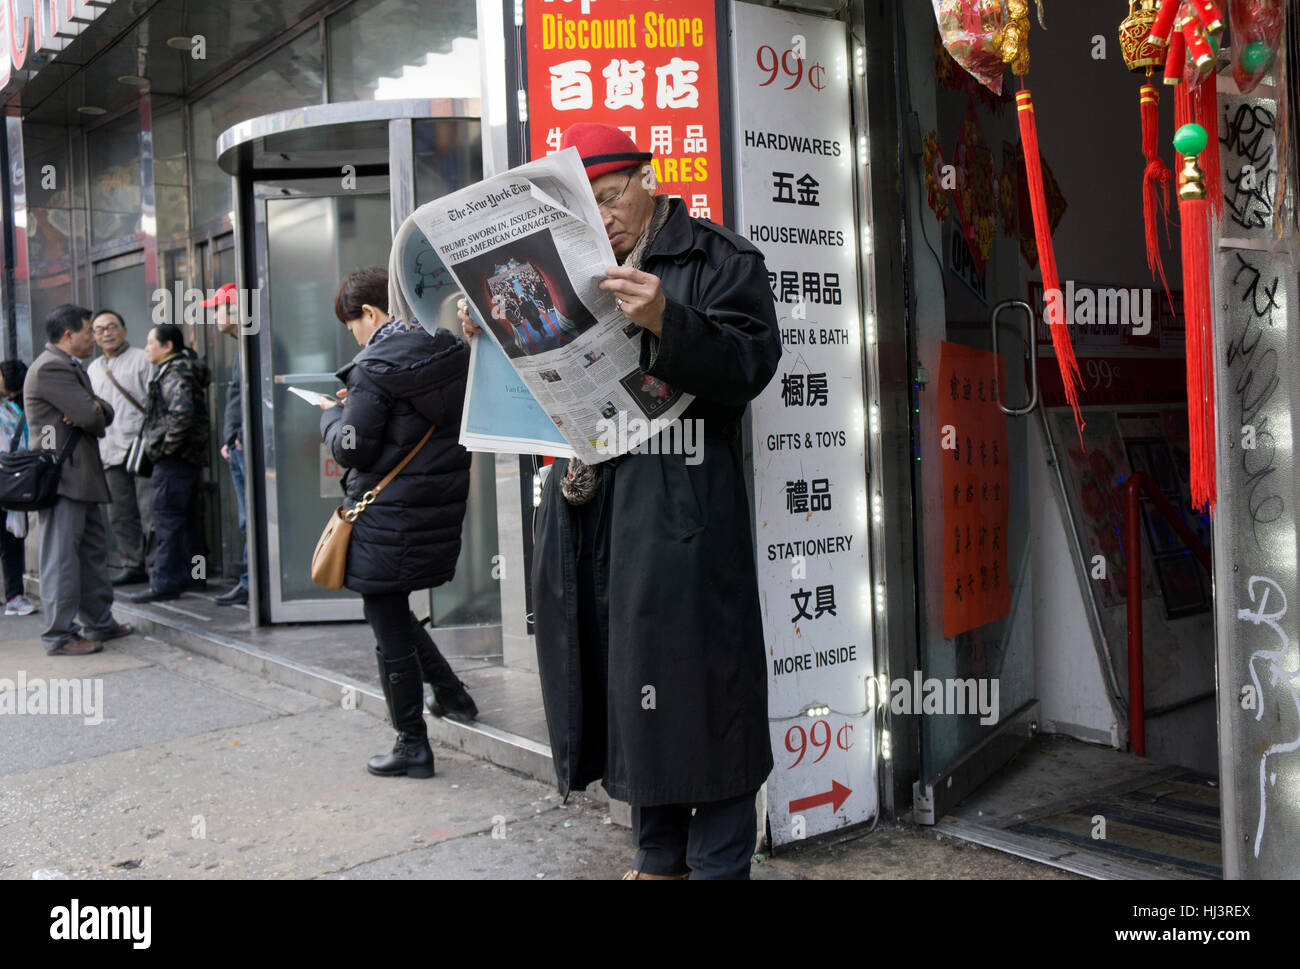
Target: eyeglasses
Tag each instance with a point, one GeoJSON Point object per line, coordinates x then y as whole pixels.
{"type": "Point", "coordinates": [612, 200]}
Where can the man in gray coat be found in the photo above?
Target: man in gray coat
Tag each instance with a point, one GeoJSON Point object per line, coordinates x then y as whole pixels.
{"type": "Point", "coordinates": [58, 397]}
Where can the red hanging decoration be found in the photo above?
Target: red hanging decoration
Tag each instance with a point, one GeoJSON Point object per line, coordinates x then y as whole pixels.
{"type": "Point", "coordinates": [1065, 359]}
{"type": "Point", "coordinates": [1142, 56]}
{"type": "Point", "coordinates": [1206, 99]}
{"type": "Point", "coordinates": [1197, 212]}
{"type": "Point", "coordinates": [1155, 182]}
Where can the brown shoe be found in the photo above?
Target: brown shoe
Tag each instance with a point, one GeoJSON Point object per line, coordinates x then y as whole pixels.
{"type": "Point", "coordinates": [119, 630]}
{"type": "Point", "coordinates": [635, 875]}
{"type": "Point", "coordinates": [76, 647]}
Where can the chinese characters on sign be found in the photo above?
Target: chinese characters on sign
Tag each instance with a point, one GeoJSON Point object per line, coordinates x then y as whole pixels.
{"type": "Point", "coordinates": [810, 489]}
{"type": "Point", "coordinates": [646, 66]}
{"type": "Point", "coordinates": [973, 438]}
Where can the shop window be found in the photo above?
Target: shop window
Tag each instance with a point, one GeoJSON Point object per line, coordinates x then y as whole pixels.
{"type": "Point", "coordinates": [123, 291]}
{"type": "Point", "coordinates": [171, 185]}
{"type": "Point", "coordinates": [290, 78]}
{"type": "Point", "coordinates": [383, 50]}
{"type": "Point", "coordinates": [115, 179]}
{"type": "Point", "coordinates": [448, 156]}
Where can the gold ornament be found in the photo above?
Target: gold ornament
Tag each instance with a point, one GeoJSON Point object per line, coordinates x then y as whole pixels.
{"type": "Point", "coordinates": [1139, 54]}
{"type": "Point", "coordinates": [1015, 37]}
{"type": "Point", "coordinates": [1191, 180]}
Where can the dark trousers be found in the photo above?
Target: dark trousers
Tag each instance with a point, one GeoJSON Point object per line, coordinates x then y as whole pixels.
{"type": "Point", "coordinates": [13, 558]}
{"type": "Point", "coordinates": [393, 623]}
{"type": "Point", "coordinates": [715, 844]}
{"type": "Point", "coordinates": [177, 523]}
{"type": "Point", "coordinates": [399, 633]}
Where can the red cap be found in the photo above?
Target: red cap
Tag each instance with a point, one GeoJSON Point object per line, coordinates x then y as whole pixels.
{"type": "Point", "coordinates": [226, 294]}
{"type": "Point", "coordinates": [603, 148]}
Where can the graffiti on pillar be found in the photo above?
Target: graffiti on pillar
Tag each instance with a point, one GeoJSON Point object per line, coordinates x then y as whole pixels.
{"type": "Point", "coordinates": [1278, 694]}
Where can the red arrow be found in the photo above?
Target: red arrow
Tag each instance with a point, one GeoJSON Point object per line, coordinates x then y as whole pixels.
{"type": "Point", "coordinates": [836, 796]}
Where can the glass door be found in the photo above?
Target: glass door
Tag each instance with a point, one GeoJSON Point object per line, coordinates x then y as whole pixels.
{"type": "Point", "coordinates": [975, 398]}
{"type": "Point", "coordinates": [309, 233]}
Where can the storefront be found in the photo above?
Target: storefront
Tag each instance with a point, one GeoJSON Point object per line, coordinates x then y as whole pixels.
{"type": "Point", "coordinates": [933, 525]}
{"type": "Point", "coordinates": [120, 196]}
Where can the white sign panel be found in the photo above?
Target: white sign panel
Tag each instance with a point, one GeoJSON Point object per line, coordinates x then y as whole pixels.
{"type": "Point", "coordinates": [795, 192]}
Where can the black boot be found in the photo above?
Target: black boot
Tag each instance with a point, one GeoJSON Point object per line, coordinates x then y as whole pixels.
{"type": "Point", "coordinates": [450, 698]}
{"type": "Point", "coordinates": [412, 754]}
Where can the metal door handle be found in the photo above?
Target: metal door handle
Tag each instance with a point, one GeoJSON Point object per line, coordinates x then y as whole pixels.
{"type": "Point", "coordinates": [1033, 354]}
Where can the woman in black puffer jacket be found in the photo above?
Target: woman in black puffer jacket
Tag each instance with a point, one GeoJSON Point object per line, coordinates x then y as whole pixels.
{"type": "Point", "coordinates": [402, 382]}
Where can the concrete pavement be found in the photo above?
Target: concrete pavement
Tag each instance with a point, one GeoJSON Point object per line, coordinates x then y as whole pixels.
{"type": "Point", "coordinates": [197, 769]}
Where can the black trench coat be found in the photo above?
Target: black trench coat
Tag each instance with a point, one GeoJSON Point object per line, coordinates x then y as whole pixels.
{"type": "Point", "coordinates": [672, 591]}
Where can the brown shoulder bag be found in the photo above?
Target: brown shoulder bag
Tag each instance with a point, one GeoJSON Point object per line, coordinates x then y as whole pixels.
{"type": "Point", "coordinates": [329, 563]}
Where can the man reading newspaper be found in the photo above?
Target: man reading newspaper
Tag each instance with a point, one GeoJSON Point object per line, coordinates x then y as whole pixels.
{"type": "Point", "coordinates": [645, 594]}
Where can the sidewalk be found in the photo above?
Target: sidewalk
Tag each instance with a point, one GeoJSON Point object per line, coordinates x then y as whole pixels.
{"type": "Point", "coordinates": [203, 770]}
{"type": "Point", "coordinates": [327, 659]}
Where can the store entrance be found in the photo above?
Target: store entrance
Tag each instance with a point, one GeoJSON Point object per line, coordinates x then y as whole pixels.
{"type": "Point", "coordinates": [1021, 517]}
{"type": "Point", "coordinates": [321, 191]}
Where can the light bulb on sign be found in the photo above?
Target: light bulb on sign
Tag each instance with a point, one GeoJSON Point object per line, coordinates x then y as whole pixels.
{"type": "Point", "coordinates": [884, 745]}
{"type": "Point", "coordinates": [523, 105]}
{"type": "Point", "coordinates": [860, 60]}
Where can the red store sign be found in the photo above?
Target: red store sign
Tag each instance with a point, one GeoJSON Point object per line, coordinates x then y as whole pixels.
{"type": "Point", "coordinates": [649, 67]}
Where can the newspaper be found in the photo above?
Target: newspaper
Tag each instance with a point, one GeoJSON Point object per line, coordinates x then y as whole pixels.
{"type": "Point", "coordinates": [529, 250]}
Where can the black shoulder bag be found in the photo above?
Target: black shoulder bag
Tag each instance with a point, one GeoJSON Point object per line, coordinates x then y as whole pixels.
{"type": "Point", "coordinates": [29, 480]}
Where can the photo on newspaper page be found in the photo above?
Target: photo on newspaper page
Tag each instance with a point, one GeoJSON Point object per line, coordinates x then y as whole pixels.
{"type": "Point", "coordinates": [529, 250]}
{"type": "Point", "coordinates": [500, 414]}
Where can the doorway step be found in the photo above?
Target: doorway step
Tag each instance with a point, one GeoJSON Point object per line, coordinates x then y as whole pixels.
{"type": "Point", "coordinates": [1097, 812]}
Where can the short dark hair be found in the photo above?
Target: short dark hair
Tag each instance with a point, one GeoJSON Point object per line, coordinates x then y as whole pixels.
{"type": "Point", "coordinates": [14, 374]}
{"type": "Point", "coordinates": [365, 286]}
{"type": "Point", "coordinates": [68, 318]}
{"type": "Point", "coordinates": [170, 333]}
{"type": "Point", "coordinates": [113, 313]}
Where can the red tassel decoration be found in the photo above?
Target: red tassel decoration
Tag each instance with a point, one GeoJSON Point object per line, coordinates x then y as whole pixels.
{"type": "Point", "coordinates": [1206, 100]}
{"type": "Point", "coordinates": [1155, 182]}
{"type": "Point", "coordinates": [1197, 212]}
{"type": "Point", "coordinates": [1065, 359]}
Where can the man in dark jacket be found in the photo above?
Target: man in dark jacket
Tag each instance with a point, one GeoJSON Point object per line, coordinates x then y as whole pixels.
{"type": "Point", "coordinates": [650, 637]}
{"type": "Point", "coordinates": [226, 305]}
{"type": "Point", "coordinates": [58, 398]}
{"type": "Point", "coordinates": [176, 441]}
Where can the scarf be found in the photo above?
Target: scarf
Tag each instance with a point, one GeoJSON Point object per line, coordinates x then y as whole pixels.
{"type": "Point", "coordinates": [581, 481]}
{"type": "Point", "coordinates": [394, 325]}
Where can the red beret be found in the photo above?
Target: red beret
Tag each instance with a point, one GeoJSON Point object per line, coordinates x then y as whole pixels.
{"type": "Point", "coordinates": [603, 148]}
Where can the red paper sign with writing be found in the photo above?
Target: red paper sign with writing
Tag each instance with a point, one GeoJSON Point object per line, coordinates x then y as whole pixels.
{"type": "Point", "coordinates": [649, 67]}
{"type": "Point", "coordinates": [973, 442]}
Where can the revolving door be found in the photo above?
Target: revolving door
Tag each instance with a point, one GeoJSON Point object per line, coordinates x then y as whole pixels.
{"type": "Point", "coordinates": [320, 192]}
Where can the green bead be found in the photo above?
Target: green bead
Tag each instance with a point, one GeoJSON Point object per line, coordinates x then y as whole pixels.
{"type": "Point", "coordinates": [1256, 57]}
{"type": "Point", "coordinates": [1190, 139]}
